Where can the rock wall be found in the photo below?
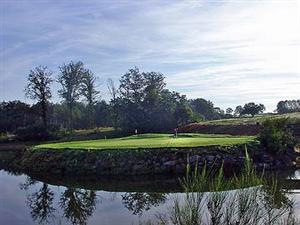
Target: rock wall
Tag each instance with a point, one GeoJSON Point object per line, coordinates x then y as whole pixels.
{"type": "Point", "coordinates": [138, 162]}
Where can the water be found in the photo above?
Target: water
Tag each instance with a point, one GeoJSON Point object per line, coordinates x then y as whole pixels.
{"type": "Point", "coordinates": [26, 201]}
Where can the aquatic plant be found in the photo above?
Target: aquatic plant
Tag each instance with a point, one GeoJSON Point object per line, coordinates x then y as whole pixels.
{"type": "Point", "coordinates": [247, 198]}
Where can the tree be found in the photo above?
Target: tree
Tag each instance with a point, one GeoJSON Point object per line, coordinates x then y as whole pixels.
{"type": "Point", "coordinates": [113, 91]}
{"type": "Point", "coordinates": [15, 114]}
{"type": "Point", "coordinates": [206, 109]}
{"type": "Point", "coordinates": [183, 112]}
{"type": "Point", "coordinates": [238, 110]}
{"type": "Point", "coordinates": [105, 114]}
{"type": "Point", "coordinates": [276, 137]}
{"type": "Point", "coordinates": [252, 109]}
{"type": "Point", "coordinates": [90, 93]}
{"type": "Point", "coordinates": [144, 103]}
{"type": "Point", "coordinates": [129, 104]}
{"type": "Point", "coordinates": [154, 84]}
{"type": "Point", "coordinates": [38, 88]}
{"type": "Point", "coordinates": [132, 86]}
{"type": "Point", "coordinates": [288, 106]}
{"type": "Point", "coordinates": [219, 113]}
{"type": "Point", "coordinates": [229, 111]}
{"type": "Point", "coordinates": [70, 78]}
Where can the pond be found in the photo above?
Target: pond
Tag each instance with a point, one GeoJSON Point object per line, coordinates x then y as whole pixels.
{"type": "Point", "coordinates": [28, 200]}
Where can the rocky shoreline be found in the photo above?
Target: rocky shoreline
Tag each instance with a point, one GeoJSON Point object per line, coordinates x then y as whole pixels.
{"type": "Point", "coordinates": [141, 161]}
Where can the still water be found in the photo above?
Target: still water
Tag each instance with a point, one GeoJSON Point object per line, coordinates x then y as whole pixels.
{"type": "Point", "coordinates": [25, 200]}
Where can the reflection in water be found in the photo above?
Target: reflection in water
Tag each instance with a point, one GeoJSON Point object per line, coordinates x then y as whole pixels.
{"type": "Point", "coordinates": [139, 202]}
{"type": "Point", "coordinates": [78, 204]}
{"type": "Point", "coordinates": [41, 204]}
{"type": "Point", "coordinates": [265, 204]}
{"type": "Point", "coordinates": [269, 203]}
{"type": "Point", "coordinates": [240, 207]}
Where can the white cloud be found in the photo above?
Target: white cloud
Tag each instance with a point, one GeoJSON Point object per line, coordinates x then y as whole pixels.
{"type": "Point", "coordinates": [227, 51]}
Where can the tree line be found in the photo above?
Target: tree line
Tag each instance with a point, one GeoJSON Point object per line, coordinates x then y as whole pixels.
{"type": "Point", "coordinates": [140, 102]}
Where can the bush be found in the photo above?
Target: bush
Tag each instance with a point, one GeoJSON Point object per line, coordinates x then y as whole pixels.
{"type": "Point", "coordinates": [276, 137]}
{"type": "Point", "coordinates": [37, 133]}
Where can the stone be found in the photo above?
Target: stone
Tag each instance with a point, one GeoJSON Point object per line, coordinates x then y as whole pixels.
{"type": "Point", "coordinates": [210, 158]}
{"type": "Point", "coordinates": [169, 163]}
{"type": "Point", "coordinates": [193, 158]}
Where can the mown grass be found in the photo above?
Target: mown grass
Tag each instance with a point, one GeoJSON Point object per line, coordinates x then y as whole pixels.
{"type": "Point", "coordinates": [146, 141]}
{"type": "Point", "coordinates": [294, 118]}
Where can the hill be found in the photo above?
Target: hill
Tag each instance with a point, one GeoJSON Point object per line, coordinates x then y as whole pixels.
{"type": "Point", "coordinates": [240, 126]}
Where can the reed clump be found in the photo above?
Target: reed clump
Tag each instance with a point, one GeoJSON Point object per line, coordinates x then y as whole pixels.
{"type": "Point", "coordinates": [247, 198]}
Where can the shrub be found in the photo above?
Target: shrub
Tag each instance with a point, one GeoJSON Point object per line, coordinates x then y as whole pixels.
{"type": "Point", "coordinates": [37, 133]}
{"type": "Point", "coordinates": [276, 137]}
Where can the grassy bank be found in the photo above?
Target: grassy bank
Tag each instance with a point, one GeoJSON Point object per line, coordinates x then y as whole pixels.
{"type": "Point", "coordinates": [152, 141]}
{"type": "Point", "coordinates": [294, 118]}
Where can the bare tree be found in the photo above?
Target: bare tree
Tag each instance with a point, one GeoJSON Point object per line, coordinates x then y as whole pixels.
{"type": "Point", "coordinates": [113, 91]}
{"type": "Point", "coordinates": [38, 88]}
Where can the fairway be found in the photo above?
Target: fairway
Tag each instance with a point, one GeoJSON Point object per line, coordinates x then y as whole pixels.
{"type": "Point", "coordinates": [152, 141]}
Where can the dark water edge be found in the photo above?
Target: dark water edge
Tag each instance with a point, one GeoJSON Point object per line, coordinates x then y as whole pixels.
{"type": "Point", "coordinates": [42, 199]}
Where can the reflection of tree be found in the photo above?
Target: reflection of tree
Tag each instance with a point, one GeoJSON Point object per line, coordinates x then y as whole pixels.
{"type": "Point", "coordinates": [29, 182]}
{"type": "Point", "coordinates": [78, 204]}
{"type": "Point", "coordinates": [139, 202]}
{"type": "Point", "coordinates": [40, 203]}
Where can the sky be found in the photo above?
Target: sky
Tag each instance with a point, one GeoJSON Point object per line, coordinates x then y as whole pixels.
{"type": "Point", "coordinates": [230, 52]}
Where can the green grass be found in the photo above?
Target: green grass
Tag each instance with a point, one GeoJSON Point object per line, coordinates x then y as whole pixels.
{"type": "Point", "coordinates": [294, 117]}
{"type": "Point", "coordinates": [152, 141]}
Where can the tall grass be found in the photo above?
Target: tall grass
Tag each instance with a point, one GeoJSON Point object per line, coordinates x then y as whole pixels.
{"type": "Point", "coordinates": [245, 199]}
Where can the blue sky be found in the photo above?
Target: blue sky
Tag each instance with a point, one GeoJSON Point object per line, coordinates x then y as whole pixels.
{"type": "Point", "coordinates": [230, 52]}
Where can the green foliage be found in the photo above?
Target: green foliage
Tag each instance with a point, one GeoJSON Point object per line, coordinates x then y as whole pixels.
{"type": "Point", "coordinates": [288, 106]}
{"type": "Point", "coordinates": [248, 199]}
{"type": "Point", "coordinates": [38, 88]}
{"type": "Point", "coordinates": [14, 114]}
{"type": "Point", "coordinates": [252, 109]}
{"type": "Point", "coordinates": [37, 133]}
{"type": "Point", "coordinates": [144, 103]}
{"type": "Point", "coordinates": [205, 109]}
{"type": "Point", "coordinates": [206, 179]}
{"type": "Point", "coordinates": [70, 79]}
{"type": "Point", "coordinates": [276, 137]}
{"type": "Point", "coordinates": [90, 94]}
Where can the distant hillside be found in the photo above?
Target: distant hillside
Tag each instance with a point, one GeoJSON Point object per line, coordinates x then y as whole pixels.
{"type": "Point", "coordinates": [240, 126]}
{"type": "Point", "coordinates": [295, 118]}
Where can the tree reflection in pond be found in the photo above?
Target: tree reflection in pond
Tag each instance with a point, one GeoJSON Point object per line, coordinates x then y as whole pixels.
{"type": "Point", "coordinates": [40, 203]}
{"type": "Point", "coordinates": [247, 200]}
{"type": "Point", "coordinates": [78, 204]}
{"type": "Point", "coordinates": [139, 202]}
